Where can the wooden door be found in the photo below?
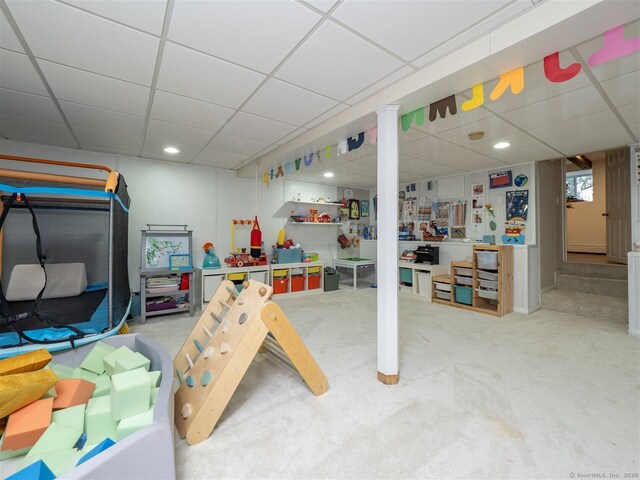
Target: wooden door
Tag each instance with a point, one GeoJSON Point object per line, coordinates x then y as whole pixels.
{"type": "Point", "coordinates": [618, 184]}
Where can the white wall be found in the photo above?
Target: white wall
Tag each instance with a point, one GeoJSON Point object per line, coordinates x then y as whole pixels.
{"type": "Point", "coordinates": [586, 227]}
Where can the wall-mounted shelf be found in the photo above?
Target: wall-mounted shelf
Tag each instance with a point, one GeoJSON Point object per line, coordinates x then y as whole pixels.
{"type": "Point", "coordinates": [331, 204]}
{"type": "Point", "coordinates": [328, 224]}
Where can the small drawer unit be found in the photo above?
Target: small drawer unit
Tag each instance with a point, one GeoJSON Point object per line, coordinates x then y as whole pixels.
{"type": "Point", "coordinates": [441, 292]}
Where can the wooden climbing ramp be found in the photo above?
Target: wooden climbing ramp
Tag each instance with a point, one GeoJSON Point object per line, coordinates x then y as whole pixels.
{"type": "Point", "coordinates": [230, 332]}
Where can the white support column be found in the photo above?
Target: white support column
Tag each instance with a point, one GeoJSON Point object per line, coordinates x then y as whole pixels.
{"type": "Point", "coordinates": [387, 262]}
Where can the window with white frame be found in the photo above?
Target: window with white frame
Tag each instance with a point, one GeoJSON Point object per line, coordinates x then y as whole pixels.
{"type": "Point", "coordinates": [580, 186]}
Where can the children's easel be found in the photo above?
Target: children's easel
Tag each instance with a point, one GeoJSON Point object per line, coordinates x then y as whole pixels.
{"type": "Point", "coordinates": [231, 331]}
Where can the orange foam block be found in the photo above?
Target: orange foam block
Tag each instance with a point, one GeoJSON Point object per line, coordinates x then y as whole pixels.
{"type": "Point", "coordinates": [72, 392]}
{"type": "Point", "coordinates": [26, 425]}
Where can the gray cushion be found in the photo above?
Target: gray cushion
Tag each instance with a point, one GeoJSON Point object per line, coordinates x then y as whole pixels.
{"type": "Point", "coordinates": [63, 280]}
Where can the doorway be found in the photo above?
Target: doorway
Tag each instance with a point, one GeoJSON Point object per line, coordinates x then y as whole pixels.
{"type": "Point", "coordinates": [597, 215]}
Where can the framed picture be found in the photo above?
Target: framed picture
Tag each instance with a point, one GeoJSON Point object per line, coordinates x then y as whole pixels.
{"type": "Point", "coordinates": [354, 209]}
{"type": "Point", "coordinates": [158, 246]}
{"type": "Point", "coordinates": [477, 218]}
{"type": "Point", "coordinates": [364, 208]}
{"type": "Point", "coordinates": [180, 261]}
{"type": "Point", "coordinates": [477, 203]}
{"type": "Point", "coordinates": [500, 179]}
{"type": "Point", "coordinates": [457, 232]}
{"type": "Point", "coordinates": [477, 189]}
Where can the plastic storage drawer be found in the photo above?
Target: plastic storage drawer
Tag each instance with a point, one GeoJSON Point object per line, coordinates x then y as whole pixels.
{"type": "Point", "coordinates": [406, 276]}
{"type": "Point", "coordinates": [464, 295]}
{"type": "Point", "coordinates": [443, 295]}
{"type": "Point", "coordinates": [491, 294]}
{"type": "Point", "coordinates": [313, 281]}
{"type": "Point", "coordinates": [297, 283]}
{"type": "Point", "coordinates": [487, 275]}
{"type": "Point", "coordinates": [464, 271]}
{"type": "Point", "coordinates": [487, 260]}
{"type": "Point", "coordinates": [443, 287]}
{"type": "Point", "coordinates": [464, 280]}
{"type": "Point", "coordinates": [488, 284]}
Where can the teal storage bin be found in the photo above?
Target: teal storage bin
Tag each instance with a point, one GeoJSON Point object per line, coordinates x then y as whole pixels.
{"type": "Point", "coordinates": [464, 294]}
{"type": "Point", "coordinates": [406, 276]}
{"type": "Point", "coordinates": [289, 255]}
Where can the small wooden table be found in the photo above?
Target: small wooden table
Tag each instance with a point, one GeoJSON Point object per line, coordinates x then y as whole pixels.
{"type": "Point", "coordinates": [354, 264]}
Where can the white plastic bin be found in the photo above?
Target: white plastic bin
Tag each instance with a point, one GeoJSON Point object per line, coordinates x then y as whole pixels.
{"type": "Point", "coordinates": [487, 260]}
{"type": "Point", "coordinates": [488, 284]}
{"type": "Point", "coordinates": [444, 287]}
{"type": "Point", "coordinates": [491, 294]}
{"type": "Point", "coordinates": [487, 275]}
{"type": "Point", "coordinates": [464, 280]}
{"type": "Point", "coordinates": [464, 271]}
{"type": "Point", "coordinates": [443, 295]}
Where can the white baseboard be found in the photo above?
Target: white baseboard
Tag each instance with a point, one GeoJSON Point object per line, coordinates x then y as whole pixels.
{"type": "Point", "coordinates": [547, 289]}
{"type": "Point", "coordinates": [634, 333]}
{"type": "Point", "coordinates": [526, 311]}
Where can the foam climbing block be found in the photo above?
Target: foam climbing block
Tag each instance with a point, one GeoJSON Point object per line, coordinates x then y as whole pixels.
{"type": "Point", "coordinates": [101, 447]}
{"type": "Point", "coordinates": [98, 422]}
{"type": "Point", "coordinates": [110, 359]}
{"type": "Point", "coordinates": [130, 393]}
{"type": "Point", "coordinates": [36, 471]}
{"type": "Point", "coordinates": [154, 395]}
{"type": "Point", "coordinates": [62, 371]}
{"type": "Point", "coordinates": [25, 362]}
{"type": "Point", "coordinates": [21, 389]}
{"type": "Point", "coordinates": [72, 391]}
{"type": "Point", "coordinates": [82, 373]}
{"type": "Point", "coordinates": [94, 359]}
{"type": "Point", "coordinates": [155, 376]}
{"type": "Point", "coordinates": [6, 454]}
{"type": "Point", "coordinates": [131, 362]}
{"type": "Point", "coordinates": [103, 386]}
{"type": "Point", "coordinates": [132, 424]}
{"type": "Point", "coordinates": [51, 393]}
{"type": "Point", "coordinates": [27, 425]}
{"type": "Point", "coordinates": [59, 461]}
{"type": "Point", "coordinates": [56, 437]}
{"type": "Point", "coordinates": [72, 417]}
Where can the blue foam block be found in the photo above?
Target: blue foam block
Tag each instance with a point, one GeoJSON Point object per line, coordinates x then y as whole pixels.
{"type": "Point", "coordinates": [101, 447]}
{"type": "Point", "coordinates": [36, 471]}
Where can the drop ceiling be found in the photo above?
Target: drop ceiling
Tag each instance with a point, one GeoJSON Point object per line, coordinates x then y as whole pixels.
{"type": "Point", "coordinates": [232, 82]}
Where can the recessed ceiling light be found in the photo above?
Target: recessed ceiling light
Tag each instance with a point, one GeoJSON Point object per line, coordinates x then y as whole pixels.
{"type": "Point", "coordinates": [171, 150]}
{"type": "Point", "coordinates": [500, 145]}
{"type": "Point", "coordinates": [328, 174]}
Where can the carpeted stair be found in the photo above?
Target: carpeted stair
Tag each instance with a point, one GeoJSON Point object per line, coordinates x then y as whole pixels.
{"type": "Point", "coordinates": [590, 290]}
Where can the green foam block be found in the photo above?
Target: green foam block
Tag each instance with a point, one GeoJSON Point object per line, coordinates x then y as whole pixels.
{"type": "Point", "coordinates": [93, 361]}
{"type": "Point", "coordinates": [103, 386]}
{"type": "Point", "coordinates": [154, 394]}
{"type": "Point", "coordinates": [5, 454]}
{"type": "Point", "coordinates": [131, 362]}
{"type": "Point", "coordinates": [51, 393]}
{"type": "Point", "coordinates": [84, 374]}
{"type": "Point", "coordinates": [61, 371]}
{"type": "Point", "coordinates": [110, 359]}
{"type": "Point", "coordinates": [72, 417]}
{"type": "Point", "coordinates": [59, 461]}
{"type": "Point", "coordinates": [130, 393]}
{"type": "Point", "coordinates": [98, 422]}
{"type": "Point", "coordinates": [55, 437]}
{"type": "Point", "coordinates": [155, 376]}
{"type": "Point", "coordinates": [132, 424]}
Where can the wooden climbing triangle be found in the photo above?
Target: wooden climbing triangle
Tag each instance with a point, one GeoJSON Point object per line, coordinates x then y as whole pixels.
{"type": "Point", "coordinates": [230, 332]}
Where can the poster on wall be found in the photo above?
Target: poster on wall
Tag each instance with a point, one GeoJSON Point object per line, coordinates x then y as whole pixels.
{"type": "Point", "coordinates": [364, 208]}
{"type": "Point", "coordinates": [477, 203]}
{"type": "Point", "coordinates": [354, 209]}
{"type": "Point", "coordinates": [477, 218]}
{"type": "Point", "coordinates": [500, 179]}
{"type": "Point", "coordinates": [477, 189]}
{"type": "Point", "coordinates": [517, 204]}
{"type": "Point", "coordinates": [636, 152]}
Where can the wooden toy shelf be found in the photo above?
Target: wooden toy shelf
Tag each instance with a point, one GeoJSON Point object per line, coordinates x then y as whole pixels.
{"type": "Point", "coordinates": [489, 276]}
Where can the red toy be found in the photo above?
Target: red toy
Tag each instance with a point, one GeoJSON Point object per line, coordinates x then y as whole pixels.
{"type": "Point", "coordinates": [256, 239]}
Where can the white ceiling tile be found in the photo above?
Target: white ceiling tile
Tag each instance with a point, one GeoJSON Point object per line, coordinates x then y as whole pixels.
{"type": "Point", "coordinates": [380, 85]}
{"type": "Point", "coordinates": [104, 138]}
{"type": "Point", "coordinates": [147, 15]}
{"type": "Point", "coordinates": [189, 112]}
{"type": "Point", "coordinates": [618, 66]}
{"type": "Point", "coordinates": [10, 124]}
{"type": "Point", "coordinates": [467, 160]}
{"type": "Point", "coordinates": [221, 29]}
{"type": "Point", "coordinates": [202, 77]}
{"type": "Point", "coordinates": [336, 63]}
{"type": "Point", "coordinates": [536, 87]}
{"type": "Point", "coordinates": [601, 140]}
{"type": "Point", "coordinates": [17, 73]}
{"type": "Point", "coordinates": [164, 133]}
{"type": "Point", "coordinates": [530, 153]}
{"type": "Point", "coordinates": [410, 28]}
{"type": "Point", "coordinates": [494, 129]}
{"type": "Point", "coordinates": [96, 45]}
{"type": "Point", "coordinates": [322, 5]}
{"type": "Point", "coordinates": [233, 144]}
{"type": "Point", "coordinates": [257, 128]}
{"type": "Point", "coordinates": [8, 39]}
{"type": "Point", "coordinates": [569, 105]}
{"type": "Point", "coordinates": [516, 139]}
{"type": "Point", "coordinates": [291, 136]}
{"type": "Point", "coordinates": [56, 142]}
{"type": "Point", "coordinates": [427, 169]}
{"type": "Point", "coordinates": [635, 128]}
{"type": "Point", "coordinates": [287, 103]}
{"type": "Point", "coordinates": [630, 113]}
{"type": "Point", "coordinates": [28, 105]}
{"type": "Point", "coordinates": [102, 119]}
{"type": "Point", "coordinates": [426, 148]}
{"type": "Point", "coordinates": [95, 90]}
{"type": "Point", "coordinates": [132, 152]}
{"type": "Point", "coordinates": [327, 115]}
{"type": "Point", "coordinates": [585, 125]}
{"type": "Point", "coordinates": [624, 89]}
{"type": "Point", "coordinates": [216, 158]}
